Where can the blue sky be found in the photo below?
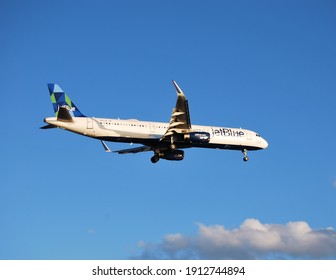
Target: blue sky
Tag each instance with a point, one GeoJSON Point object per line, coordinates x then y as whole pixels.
{"type": "Point", "coordinates": [268, 66]}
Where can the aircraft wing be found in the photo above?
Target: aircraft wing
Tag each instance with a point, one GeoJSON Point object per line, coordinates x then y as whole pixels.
{"type": "Point", "coordinates": [127, 151]}
{"type": "Point", "coordinates": [180, 118]}
{"type": "Point", "coordinates": [134, 150]}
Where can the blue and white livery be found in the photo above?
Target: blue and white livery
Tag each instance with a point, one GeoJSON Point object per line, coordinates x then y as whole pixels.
{"type": "Point", "coordinates": [165, 140]}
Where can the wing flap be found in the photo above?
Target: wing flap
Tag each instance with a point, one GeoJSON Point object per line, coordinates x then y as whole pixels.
{"type": "Point", "coordinates": [175, 124]}
{"type": "Point", "coordinates": [175, 114]}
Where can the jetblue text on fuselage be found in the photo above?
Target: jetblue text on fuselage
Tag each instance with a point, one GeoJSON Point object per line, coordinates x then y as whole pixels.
{"type": "Point", "coordinates": [68, 108]}
{"type": "Point", "coordinates": [227, 132]}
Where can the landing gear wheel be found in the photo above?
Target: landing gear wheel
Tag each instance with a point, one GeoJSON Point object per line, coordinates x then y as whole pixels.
{"type": "Point", "coordinates": [155, 159]}
{"type": "Point", "coordinates": [245, 155]}
{"type": "Point", "coordinates": [172, 146]}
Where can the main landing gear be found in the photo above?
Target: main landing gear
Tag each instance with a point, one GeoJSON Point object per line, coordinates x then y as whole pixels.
{"type": "Point", "coordinates": [155, 158]}
{"type": "Point", "coordinates": [245, 155]}
{"type": "Point", "coordinates": [172, 144]}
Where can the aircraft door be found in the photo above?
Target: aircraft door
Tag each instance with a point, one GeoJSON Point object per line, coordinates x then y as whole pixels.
{"type": "Point", "coordinates": [89, 123]}
{"type": "Point", "coordinates": [152, 127]}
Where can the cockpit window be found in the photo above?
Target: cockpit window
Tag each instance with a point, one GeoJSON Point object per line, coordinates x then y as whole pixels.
{"type": "Point", "coordinates": [257, 135]}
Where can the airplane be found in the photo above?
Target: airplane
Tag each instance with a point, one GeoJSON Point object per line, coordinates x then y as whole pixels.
{"type": "Point", "coordinates": [165, 140]}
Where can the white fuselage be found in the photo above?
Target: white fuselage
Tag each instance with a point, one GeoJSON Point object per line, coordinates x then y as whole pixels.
{"type": "Point", "coordinates": [144, 132]}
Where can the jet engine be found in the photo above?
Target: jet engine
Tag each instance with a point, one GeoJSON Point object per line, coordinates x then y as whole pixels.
{"type": "Point", "coordinates": [197, 137]}
{"type": "Point", "coordinates": [173, 155]}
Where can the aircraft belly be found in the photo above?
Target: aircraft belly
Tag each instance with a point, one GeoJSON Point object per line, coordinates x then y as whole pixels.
{"type": "Point", "coordinates": [230, 143]}
{"type": "Point", "coordinates": [226, 146]}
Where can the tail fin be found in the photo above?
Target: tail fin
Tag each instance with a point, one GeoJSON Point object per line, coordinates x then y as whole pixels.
{"type": "Point", "coordinates": [60, 99]}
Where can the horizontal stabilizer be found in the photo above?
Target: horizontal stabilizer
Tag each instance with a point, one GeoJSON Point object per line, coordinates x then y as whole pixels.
{"type": "Point", "coordinates": [48, 126]}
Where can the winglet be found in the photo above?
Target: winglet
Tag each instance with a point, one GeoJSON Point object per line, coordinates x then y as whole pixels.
{"type": "Point", "coordinates": [106, 148]}
{"type": "Point", "coordinates": [178, 90]}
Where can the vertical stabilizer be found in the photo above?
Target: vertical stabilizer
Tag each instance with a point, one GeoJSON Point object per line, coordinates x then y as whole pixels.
{"type": "Point", "coordinates": [60, 99]}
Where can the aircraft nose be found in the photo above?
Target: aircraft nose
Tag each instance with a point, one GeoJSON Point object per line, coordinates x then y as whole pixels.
{"type": "Point", "coordinates": [264, 144]}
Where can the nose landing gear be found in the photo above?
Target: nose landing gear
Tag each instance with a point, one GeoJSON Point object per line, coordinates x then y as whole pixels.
{"type": "Point", "coordinates": [245, 155]}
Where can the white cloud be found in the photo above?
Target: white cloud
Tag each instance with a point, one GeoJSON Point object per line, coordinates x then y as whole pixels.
{"type": "Point", "coordinates": [252, 240]}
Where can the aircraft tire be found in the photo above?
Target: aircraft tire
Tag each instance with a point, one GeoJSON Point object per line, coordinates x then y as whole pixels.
{"type": "Point", "coordinates": [155, 159]}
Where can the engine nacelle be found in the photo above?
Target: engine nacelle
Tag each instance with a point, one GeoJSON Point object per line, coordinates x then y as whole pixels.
{"type": "Point", "coordinates": [197, 137]}
{"type": "Point", "coordinates": [173, 155]}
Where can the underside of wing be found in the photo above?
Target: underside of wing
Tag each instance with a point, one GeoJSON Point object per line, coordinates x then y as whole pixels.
{"type": "Point", "coordinates": [134, 150]}
{"type": "Point", "coordinates": [180, 117]}
{"type": "Point", "coordinates": [127, 151]}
